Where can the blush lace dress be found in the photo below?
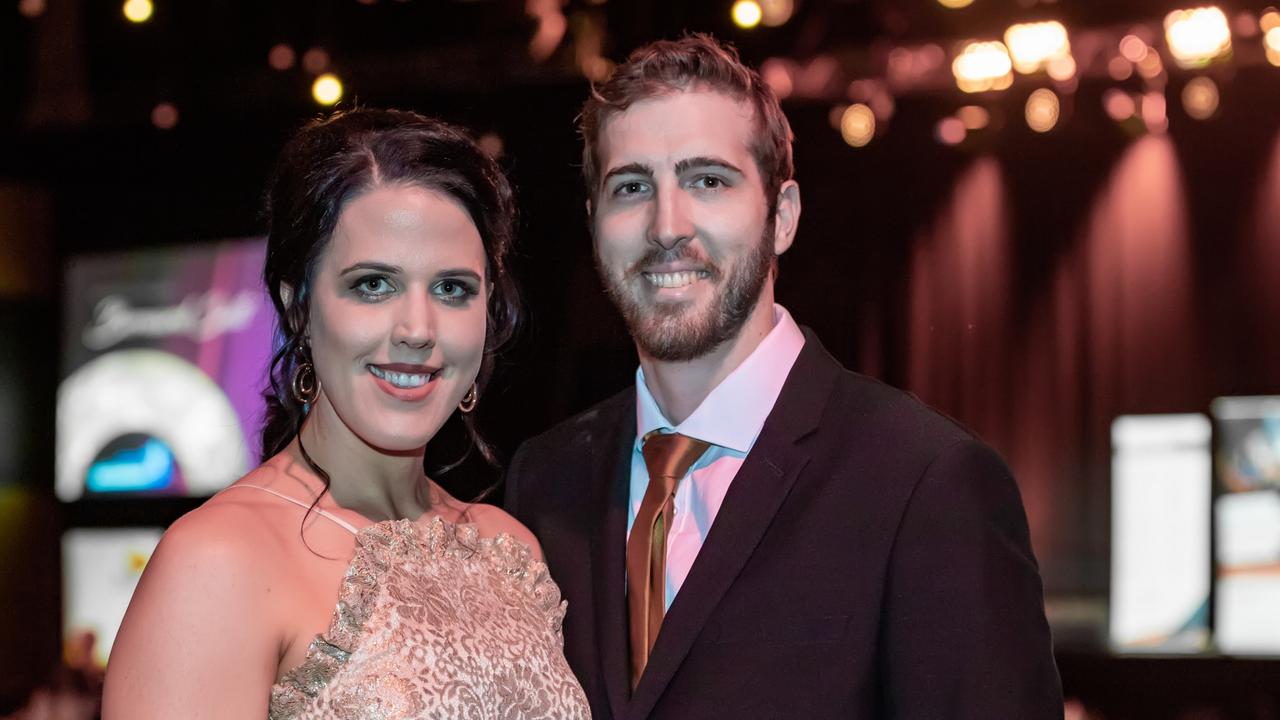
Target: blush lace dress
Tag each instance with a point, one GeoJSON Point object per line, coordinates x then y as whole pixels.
{"type": "Point", "coordinates": [434, 621]}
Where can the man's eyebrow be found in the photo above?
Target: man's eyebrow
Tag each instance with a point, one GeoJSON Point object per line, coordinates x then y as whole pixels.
{"type": "Point", "coordinates": [703, 161]}
{"type": "Point", "coordinates": [375, 266]}
{"type": "Point", "coordinates": [629, 169]}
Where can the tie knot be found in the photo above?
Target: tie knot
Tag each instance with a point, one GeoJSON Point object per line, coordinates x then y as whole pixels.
{"type": "Point", "coordinates": [670, 455]}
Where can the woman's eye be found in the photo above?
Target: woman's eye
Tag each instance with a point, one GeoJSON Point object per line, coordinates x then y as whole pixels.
{"type": "Point", "coordinates": [374, 286]}
{"type": "Point", "coordinates": [454, 290]}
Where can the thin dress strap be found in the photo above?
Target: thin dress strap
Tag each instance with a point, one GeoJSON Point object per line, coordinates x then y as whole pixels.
{"type": "Point", "coordinates": [337, 520]}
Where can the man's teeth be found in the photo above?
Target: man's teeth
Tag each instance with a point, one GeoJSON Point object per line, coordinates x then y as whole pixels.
{"type": "Point", "coordinates": [676, 279]}
{"type": "Point", "coordinates": [401, 380]}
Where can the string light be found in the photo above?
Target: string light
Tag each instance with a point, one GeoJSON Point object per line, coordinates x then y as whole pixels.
{"type": "Point", "coordinates": [983, 66]}
{"type": "Point", "coordinates": [1198, 36]}
{"type": "Point", "coordinates": [857, 125]}
{"type": "Point", "coordinates": [1034, 46]}
{"type": "Point", "coordinates": [747, 14]}
{"type": "Point", "coordinates": [1042, 110]}
{"type": "Point", "coordinates": [327, 89]}
{"type": "Point", "coordinates": [1200, 98]}
{"type": "Point", "coordinates": [138, 11]}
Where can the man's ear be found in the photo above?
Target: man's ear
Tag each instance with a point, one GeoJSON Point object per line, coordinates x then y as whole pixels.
{"type": "Point", "coordinates": [588, 208]}
{"type": "Point", "coordinates": [787, 216]}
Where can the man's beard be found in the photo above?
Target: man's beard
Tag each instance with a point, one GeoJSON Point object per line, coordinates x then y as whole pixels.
{"type": "Point", "coordinates": [677, 332]}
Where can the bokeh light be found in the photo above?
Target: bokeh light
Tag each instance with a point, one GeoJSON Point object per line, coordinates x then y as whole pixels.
{"type": "Point", "coordinates": [1120, 69]}
{"type": "Point", "coordinates": [281, 57]}
{"type": "Point", "coordinates": [164, 116]}
{"type": "Point", "coordinates": [138, 11]}
{"type": "Point", "coordinates": [950, 131]}
{"type": "Point", "coordinates": [1119, 105]}
{"type": "Point", "coordinates": [1198, 36]}
{"type": "Point", "coordinates": [973, 117]}
{"type": "Point", "coordinates": [327, 89]}
{"type": "Point", "coordinates": [955, 4]}
{"type": "Point", "coordinates": [1133, 48]}
{"type": "Point", "coordinates": [1271, 43]}
{"type": "Point", "coordinates": [1200, 98]}
{"type": "Point", "coordinates": [747, 14]}
{"type": "Point", "coordinates": [857, 125]}
{"type": "Point", "coordinates": [31, 8]}
{"type": "Point", "coordinates": [1034, 46]}
{"type": "Point", "coordinates": [983, 66]}
{"type": "Point", "coordinates": [1042, 110]}
{"type": "Point", "coordinates": [315, 60]}
{"type": "Point", "coordinates": [776, 12]}
{"type": "Point", "coordinates": [1153, 112]}
{"type": "Point", "coordinates": [1151, 66]}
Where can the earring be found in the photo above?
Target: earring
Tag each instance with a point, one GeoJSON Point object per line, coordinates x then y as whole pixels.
{"type": "Point", "coordinates": [469, 400]}
{"type": "Point", "coordinates": [305, 384]}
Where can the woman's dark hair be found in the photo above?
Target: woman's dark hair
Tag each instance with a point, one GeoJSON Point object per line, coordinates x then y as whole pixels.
{"type": "Point", "coordinates": [327, 164]}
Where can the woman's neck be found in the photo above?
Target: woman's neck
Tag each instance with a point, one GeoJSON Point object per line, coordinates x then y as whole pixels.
{"type": "Point", "coordinates": [376, 484]}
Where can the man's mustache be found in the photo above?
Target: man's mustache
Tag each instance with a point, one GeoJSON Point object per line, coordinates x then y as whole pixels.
{"type": "Point", "coordinates": [683, 253]}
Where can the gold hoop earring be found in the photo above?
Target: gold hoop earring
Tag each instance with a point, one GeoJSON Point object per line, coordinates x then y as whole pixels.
{"type": "Point", "coordinates": [305, 384]}
{"type": "Point", "coordinates": [469, 400]}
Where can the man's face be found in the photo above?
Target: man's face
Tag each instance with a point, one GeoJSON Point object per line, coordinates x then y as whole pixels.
{"type": "Point", "coordinates": [683, 238]}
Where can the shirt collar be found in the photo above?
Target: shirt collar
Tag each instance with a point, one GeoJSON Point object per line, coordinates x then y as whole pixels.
{"type": "Point", "coordinates": [733, 413]}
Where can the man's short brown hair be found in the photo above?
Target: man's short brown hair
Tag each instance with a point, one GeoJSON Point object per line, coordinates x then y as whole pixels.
{"type": "Point", "coordinates": [694, 62]}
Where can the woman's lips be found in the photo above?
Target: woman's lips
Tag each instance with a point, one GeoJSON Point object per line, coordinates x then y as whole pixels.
{"type": "Point", "coordinates": [407, 383]}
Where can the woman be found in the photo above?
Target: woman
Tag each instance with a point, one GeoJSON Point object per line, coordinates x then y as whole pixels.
{"type": "Point", "coordinates": [386, 262]}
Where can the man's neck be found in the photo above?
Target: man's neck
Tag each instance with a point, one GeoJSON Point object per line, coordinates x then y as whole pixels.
{"type": "Point", "coordinates": [680, 387]}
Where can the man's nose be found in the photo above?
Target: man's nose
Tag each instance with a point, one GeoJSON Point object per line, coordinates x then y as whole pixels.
{"type": "Point", "coordinates": [672, 223]}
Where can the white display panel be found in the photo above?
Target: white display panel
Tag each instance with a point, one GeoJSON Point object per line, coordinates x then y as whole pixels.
{"type": "Point", "coordinates": [101, 568]}
{"type": "Point", "coordinates": [1161, 495]}
{"type": "Point", "coordinates": [1247, 526]}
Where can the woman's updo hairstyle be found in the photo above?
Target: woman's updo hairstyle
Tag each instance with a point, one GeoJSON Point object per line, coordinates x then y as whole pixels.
{"type": "Point", "coordinates": [327, 164]}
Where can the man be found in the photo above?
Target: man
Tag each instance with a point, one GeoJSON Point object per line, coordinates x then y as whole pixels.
{"type": "Point", "coordinates": [752, 530]}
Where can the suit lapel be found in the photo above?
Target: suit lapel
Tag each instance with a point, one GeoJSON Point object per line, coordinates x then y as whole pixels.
{"type": "Point", "coordinates": [754, 497]}
{"type": "Point", "coordinates": [611, 467]}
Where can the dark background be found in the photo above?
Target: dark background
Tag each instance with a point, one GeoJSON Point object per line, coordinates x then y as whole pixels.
{"type": "Point", "coordinates": [1032, 286]}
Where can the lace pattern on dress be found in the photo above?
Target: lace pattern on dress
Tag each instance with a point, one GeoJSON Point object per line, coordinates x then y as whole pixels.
{"type": "Point", "coordinates": [437, 618]}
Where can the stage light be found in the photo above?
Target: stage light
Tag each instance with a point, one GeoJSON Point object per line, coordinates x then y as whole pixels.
{"type": "Point", "coordinates": [281, 57]}
{"type": "Point", "coordinates": [1042, 110]}
{"type": "Point", "coordinates": [1153, 112]}
{"type": "Point", "coordinates": [857, 125]}
{"type": "Point", "coordinates": [1198, 36]}
{"type": "Point", "coordinates": [950, 131]}
{"type": "Point", "coordinates": [1033, 46]}
{"type": "Point", "coordinates": [955, 4]}
{"type": "Point", "coordinates": [164, 116]}
{"type": "Point", "coordinates": [747, 14]}
{"type": "Point", "coordinates": [776, 12]}
{"type": "Point", "coordinates": [327, 89]}
{"type": "Point", "coordinates": [1119, 104]}
{"type": "Point", "coordinates": [1200, 98]}
{"type": "Point", "coordinates": [973, 117]}
{"type": "Point", "coordinates": [983, 66]}
{"type": "Point", "coordinates": [1133, 48]}
{"type": "Point", "coordinates": [138, 11]}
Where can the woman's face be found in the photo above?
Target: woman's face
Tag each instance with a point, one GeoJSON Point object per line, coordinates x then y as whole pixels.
{"type": "Point", "coordinates": [398, 311]}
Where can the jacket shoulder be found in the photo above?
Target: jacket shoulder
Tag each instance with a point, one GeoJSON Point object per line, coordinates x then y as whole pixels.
{"type": "Point", "coordinates": [601, 419]}
{"type": "Point", "coordinates": [878, 409]}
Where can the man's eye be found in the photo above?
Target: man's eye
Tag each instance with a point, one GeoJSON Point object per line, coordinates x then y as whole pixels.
{"type": "Point", "coordinates": [709, 182]}
{"type": "Point", "coordinates": [629, 188]}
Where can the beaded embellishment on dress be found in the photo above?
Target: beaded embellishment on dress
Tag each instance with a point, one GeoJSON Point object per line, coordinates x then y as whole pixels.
{"type": "Point", "coordinates": [434, 621]}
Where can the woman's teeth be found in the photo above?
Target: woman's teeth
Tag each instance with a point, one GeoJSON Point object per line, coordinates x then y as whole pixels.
{"type": "Point", "coordinates": [676, 279]}
{"type": "Point", "coordinates": [401, 380]}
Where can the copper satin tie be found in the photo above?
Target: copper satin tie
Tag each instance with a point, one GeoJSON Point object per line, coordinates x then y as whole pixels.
{"type": "Point", "coordinates": [667, 457]}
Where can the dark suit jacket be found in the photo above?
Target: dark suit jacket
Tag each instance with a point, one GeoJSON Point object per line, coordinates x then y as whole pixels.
{"type": "Point", "coordinates": [870, 560]}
